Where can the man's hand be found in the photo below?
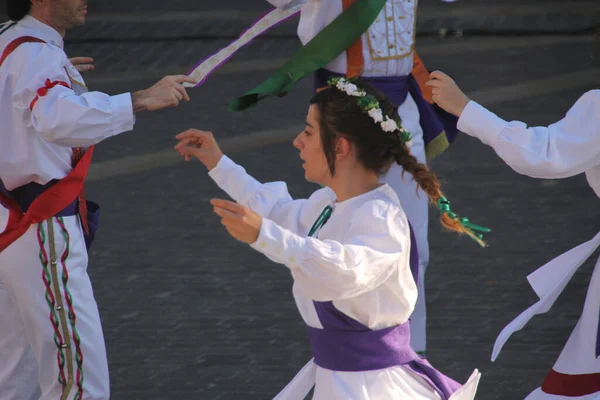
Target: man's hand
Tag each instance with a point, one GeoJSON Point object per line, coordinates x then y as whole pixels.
{"type": "Point", "coordinates": [83, 64]}
{"type": "Point", "coordinates": [241, 223]}
{"type": "Point", "coordinates": [167, 92]}
{"type": "Point", "coordinates": [447, 94]}
{"type": "Point", "coordinates": [199, 144]}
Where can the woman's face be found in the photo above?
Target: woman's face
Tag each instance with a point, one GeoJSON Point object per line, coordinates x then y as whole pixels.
{"type": "Point", "coordinates": [309, 143]}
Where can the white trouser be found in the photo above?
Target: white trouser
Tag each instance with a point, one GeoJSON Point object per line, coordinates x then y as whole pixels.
{"type": "Point", "coordinates": [415, 205]}
{"type": "Point", "coordinates": [44, 308]}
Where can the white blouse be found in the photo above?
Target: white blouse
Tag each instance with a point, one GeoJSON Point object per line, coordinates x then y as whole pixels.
{"type": "Point", "coordinates": [359, 260]}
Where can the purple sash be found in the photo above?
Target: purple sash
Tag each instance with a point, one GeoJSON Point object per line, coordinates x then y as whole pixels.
{"type": "Point", "coordinates": [345, 344]}
{"type": "Point", "coordinates": [436, 123]}
{"type": "Point", "coordinates": [26, 194]}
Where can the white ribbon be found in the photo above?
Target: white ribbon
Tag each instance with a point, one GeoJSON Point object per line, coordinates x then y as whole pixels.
{"type": "Point", "coordinates": [548, 282]}
{"type": "Point", "coordinates": [206, 67]}
{"type": "Point", "coordinates": [300, 386]}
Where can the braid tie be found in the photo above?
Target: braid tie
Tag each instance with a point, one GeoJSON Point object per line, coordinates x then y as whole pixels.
{"type": "Point", "coordinates": [469, 228]}
{"type": "Point", "coordinates": [429, 183]}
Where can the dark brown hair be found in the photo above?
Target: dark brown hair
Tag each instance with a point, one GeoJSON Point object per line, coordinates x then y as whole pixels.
{"type": "Point", "coordinates": [376, 150]}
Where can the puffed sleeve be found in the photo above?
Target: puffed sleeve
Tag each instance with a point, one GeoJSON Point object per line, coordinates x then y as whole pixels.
{"type": "Point", "coordinates": [270, 200]}
{"type": "Point", "coordinates": [43, 94]}
{"type": "Point", "coordinates": [563, 149]}
{"type": "Point", "coordinates": [375, 244]}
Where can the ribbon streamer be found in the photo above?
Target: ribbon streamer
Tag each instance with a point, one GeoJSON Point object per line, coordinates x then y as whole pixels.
{"type": "Point", "coordinates": [206, 67]}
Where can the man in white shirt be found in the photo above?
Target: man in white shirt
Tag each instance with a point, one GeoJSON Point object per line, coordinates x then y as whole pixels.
{"type": "Point", "coordinates": [50, 331]}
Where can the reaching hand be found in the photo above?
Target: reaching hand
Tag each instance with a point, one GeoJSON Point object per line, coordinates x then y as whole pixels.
{"type": "Point", "coordinates": [167, 92]}
{"type": "Point", "coordinates": [447, 94]}
{"type": "Point", "coordinates": [199, 144]}
{"type": "Point", "coordinates": [83, 64]}
{"type": "Point", "coordinates": [241, 223]}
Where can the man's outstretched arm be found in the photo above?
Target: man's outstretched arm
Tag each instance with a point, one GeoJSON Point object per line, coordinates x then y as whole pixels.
{"type": "Point", "coordinates": [43, 94]}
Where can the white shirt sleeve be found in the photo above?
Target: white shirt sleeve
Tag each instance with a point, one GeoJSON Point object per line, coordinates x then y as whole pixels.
{"type": "Point", "coordinates": [59, 115]}
{"type": "Point", "coordinates": [563, 149]}
{"type": "Point", "coordinates": [269, 200]}
{"type": "Point", "coordinates": [328, 270]}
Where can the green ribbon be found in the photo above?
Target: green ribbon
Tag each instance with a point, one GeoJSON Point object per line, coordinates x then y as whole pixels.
{"type": "Point", "coordinates": [444, 206]}
{"type": "Point", "coordinates": [322, 220]}
{"type": "Point", "coordinates": [325, 47]}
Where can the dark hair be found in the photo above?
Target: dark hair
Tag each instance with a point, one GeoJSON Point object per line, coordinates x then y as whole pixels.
{"type": "Point", "coordinates": [17, 9]}
{"type": "Point", "coordinates": [376, 150]}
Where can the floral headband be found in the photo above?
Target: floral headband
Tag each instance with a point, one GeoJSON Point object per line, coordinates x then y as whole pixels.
{"type": "Point", "coordinates": [370, 105]}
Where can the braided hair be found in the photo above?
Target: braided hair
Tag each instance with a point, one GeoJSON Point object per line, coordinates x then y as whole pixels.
{"type": "Point", "coordinates": [376, 149]}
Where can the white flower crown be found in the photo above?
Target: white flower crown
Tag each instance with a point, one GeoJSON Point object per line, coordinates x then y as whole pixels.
{"type": "Point", "coordinates": [369, 104]}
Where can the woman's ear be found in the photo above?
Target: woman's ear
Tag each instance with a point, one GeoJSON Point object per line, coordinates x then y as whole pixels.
{"type": "Point", "coordinates": [343, 148]}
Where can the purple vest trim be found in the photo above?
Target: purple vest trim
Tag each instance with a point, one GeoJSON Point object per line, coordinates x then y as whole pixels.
{"type": "Point", "coordinates": [26, 194]}
{"type": "Point", "coordinates": [345, 344]}
{"type": "Point", "coordinates": [433, 119]}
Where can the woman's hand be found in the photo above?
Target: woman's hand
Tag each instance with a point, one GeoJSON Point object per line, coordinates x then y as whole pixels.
{"type": "Point", "coordinates": [83, 64]}
{"type": "Point", "coordinates": [447, 94]}
{"type": "Point", "coordinates": [199, 144]}
{"type": "Point", "coordinates": [242, 223]}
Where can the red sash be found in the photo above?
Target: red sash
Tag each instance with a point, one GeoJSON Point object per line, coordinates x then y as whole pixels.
{"type": "Point", "coordinates": [571, 385]}
{"type": "Point", "coordinates": [48, 204]}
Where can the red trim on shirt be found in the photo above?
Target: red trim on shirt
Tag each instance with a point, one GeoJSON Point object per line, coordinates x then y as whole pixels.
{"type": "Point", "coordinates": [44, 90]}
{"type": "Point", "coordinates": [571, 385]}
{"type": "Point", "coordinates": [12, 46]}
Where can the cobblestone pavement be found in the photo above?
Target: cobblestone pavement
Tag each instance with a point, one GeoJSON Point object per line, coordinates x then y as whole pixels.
{"type": "Point", "coordinates": [207, 19]}
{"type": "Point", "coordinates": [189, 313]}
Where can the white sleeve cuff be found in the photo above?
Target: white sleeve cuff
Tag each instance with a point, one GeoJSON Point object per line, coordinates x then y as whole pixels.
{"type": "Point", "coordinates": [220, 171]}
{"type": "Point", "coordinates": [233, 179]}
{"type": "Point", "coordinates": [479, 122]}
{"type": "Point", "coordinates": [121, 108]}
{"type": "Point", "coordinates": [229, 176]}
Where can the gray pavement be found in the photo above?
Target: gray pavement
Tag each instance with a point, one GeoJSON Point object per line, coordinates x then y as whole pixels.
{"type": "Point", "coordinates": [135, 20]}
{"type": "Point", "coordinates": [206, 19]}
{"type": "Point", "coordinates": [189, 313]}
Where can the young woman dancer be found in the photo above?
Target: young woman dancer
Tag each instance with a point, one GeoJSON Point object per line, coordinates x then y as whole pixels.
{"type": "Point", "coordinates": [348, 246]}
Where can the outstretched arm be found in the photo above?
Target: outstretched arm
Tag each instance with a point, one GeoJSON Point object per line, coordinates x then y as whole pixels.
{"type": "Point", "coordinates": [375, 244]}
{"type": "Point", "coordinates": [563, 149]}
{"type": "Point", "coordinates": [43, 93]}
{"type": "Point", "coordinates": [271, 200]}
